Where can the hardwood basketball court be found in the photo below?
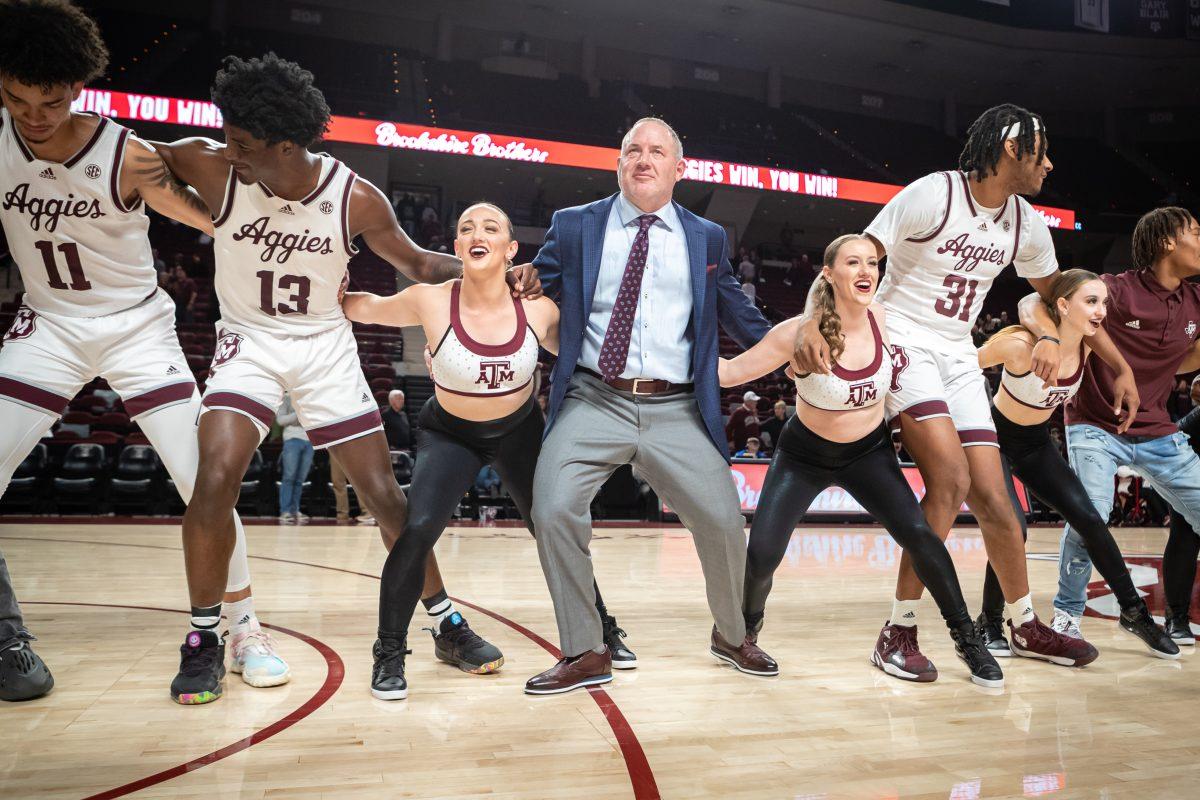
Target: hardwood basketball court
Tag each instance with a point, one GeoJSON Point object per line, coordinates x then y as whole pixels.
{"type": "Point", "coordinates": [107, 602]}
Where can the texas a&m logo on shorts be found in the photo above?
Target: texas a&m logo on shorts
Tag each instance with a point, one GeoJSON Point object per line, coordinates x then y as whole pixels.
{"type": "Point", "coordinates": [899, 364]}
{"type": "Point", "coordinates": [228, 346]}
{"type": "Point", "coordinates": [22, 327]}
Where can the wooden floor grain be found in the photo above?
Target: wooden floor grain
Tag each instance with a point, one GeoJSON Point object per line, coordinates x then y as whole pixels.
{"type": "Point", "coordinates": [830, 726]}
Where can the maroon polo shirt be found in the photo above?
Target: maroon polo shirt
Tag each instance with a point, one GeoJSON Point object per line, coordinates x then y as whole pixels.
{"type": "Point", "coordinates": [1153, 328]}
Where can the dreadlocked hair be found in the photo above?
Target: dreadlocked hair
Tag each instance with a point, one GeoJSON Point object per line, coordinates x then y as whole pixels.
{"type": "Point", "coordinates": [823, 301]}
{"type": "Point", "coordinates": [985, 139]}
{"type": "Point", "coordinates": [271, 99]}
{"type": "Point", "coordinates": [49, 43]}
{"type": "Point", "coordinates": [1154, 229]}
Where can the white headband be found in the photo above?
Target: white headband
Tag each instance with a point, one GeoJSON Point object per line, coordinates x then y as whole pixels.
{"type": "Point", "coordinates": [1014, 130]}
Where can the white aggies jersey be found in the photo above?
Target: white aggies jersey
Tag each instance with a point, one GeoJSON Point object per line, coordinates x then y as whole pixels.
{"type": "Point", "coordinates": [944, 251]}
{"type": "Point", "coordinates": [279, 262]}
{"type": "Point", "coordinates": [81, 252]}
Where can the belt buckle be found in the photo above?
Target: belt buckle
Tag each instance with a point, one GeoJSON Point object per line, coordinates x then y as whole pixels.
{"type": "Point", "coordinates": [636, 381]}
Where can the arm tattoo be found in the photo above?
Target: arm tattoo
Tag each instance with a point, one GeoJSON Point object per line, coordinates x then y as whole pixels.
{"type": "Point", "coordinates": [152, 171]}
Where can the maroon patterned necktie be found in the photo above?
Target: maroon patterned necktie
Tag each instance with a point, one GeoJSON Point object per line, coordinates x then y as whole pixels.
{"type": "Point", "coordinates": [615, 350]}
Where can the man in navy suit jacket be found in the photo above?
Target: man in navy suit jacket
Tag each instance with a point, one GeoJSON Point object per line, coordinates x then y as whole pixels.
{"type": "Point", "coordinates": [642, 284]}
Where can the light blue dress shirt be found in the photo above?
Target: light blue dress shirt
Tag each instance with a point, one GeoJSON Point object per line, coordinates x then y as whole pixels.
{"type": "Point", "coordinates": [660, 345]}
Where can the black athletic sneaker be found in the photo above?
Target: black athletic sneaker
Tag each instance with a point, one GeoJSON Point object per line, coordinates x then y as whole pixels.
{"type": "Point", "coordinates": [23, 675]}
{"type": "Point", "coordinates": [457, 644]}
{"type": "Point", "coordinates": [387, 676]}
{"type": "Point", "coordinates": [1139, 622]}
{"type": "Point", "coordinates": [201, 669]}
{"type": "Point", "coordinates": [969, 646]}
{"type": "Point", "coordinates": [622, 656]}
{"type": "Point", "coordinates": [991, 631]}
{"type": "Point", "coordinates": [1179, 628]}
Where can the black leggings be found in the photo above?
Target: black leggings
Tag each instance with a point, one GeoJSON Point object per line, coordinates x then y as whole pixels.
{"type": "Point", "coordinates": [450, 453]}
{"type": "Point", "coordinates": [805, 465]}
{"type": "Point", "coordinates": [1028, 452]}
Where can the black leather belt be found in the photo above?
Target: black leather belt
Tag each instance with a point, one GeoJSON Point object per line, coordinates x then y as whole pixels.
{"type": "Point", "coordinates": [641, 387]}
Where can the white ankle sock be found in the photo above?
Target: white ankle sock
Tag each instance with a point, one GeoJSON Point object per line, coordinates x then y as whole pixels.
{"type": "Point", "coordinates": [240, 614]}
{"type": "Point", "coordinates": [441, 611]}
{"type": "Point", "coordinates": [904, 612]}
{"type": "Point", "coordinates": [1021, 611]}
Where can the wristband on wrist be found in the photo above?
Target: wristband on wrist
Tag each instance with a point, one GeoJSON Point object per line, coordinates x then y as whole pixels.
{"type": "Point", "coordinates": [1049, 339]}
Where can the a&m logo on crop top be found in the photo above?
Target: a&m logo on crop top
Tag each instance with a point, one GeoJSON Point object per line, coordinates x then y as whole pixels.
{"type": "Point", "coordinates": [280, 246]}
{"type": "Point", "coordinates": [493, 373]}
{"type": "Point", "coordinates": [1056, 397]}
{"type": "Point", "coordinates": [862, 393]}
{"type": "Point", "coordinates": [970, 255]}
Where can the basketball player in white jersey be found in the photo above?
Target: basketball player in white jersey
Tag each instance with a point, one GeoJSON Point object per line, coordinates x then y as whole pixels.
{"type": "Point", "coordinates": [285, 221]}
{"type": "Point", "coordinates": [72, 188]}
{"type": "Point", "coordinates": [947, 237]}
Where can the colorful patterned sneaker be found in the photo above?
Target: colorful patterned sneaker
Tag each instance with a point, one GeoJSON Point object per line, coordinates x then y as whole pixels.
{"type": "Point", "coordinates": [1139, 622]}
{"type": "Point", "coordinates": [1034, 640]}
{"type": "Point", "coordinates": [991, 630]}
{"type": "Point", "coordinates": [23, 674]}
{"type": "Point", "coordinates": [622, 656]}
{"type": "Point", "coordinates": [897, 654]}
{"type": "Point", "coordinates": [969, 646]}
{"type": "Point", "coordinates": [254, 657]}
{"type": "Point", "coordinates": [1179, 628]}
{"type": "Point", "coordinates": [457, 644]}
{"type": "Point", "coordinates": [387, 676]}
{"type": "Point", "coordinates": [201, 669]}
{"type": "Point", "coordinates": [1066, 624]}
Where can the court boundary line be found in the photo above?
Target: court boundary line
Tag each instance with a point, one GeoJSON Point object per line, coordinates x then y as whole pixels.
{"type": "Point", "coordinates": [641, 776]}
{"type": "Point", "coordinates": [335, 673]}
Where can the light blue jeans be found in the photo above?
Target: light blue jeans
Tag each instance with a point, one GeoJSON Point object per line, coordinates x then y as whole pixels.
{"type": "Point", "coordinates": [295, 460]}
{"type": "Point", "coordinates": [1167, 463]}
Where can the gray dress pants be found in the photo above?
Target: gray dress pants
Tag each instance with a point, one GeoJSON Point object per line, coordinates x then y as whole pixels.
{"type": "Point", "coordinates": [597, 430]}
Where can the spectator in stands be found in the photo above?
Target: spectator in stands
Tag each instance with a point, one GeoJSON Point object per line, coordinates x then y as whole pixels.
{"type": "Point", "coordinates": [746, 268]}
{"type": "Point", "coordinates": [743, 422]}
{"type": "Point", "coordinates": [753, 449]}
{"type": "Point", "coordinates": [786, 237]}
{"type": "Point", "coordinates": [294, 463]}
{"type": "Point", "coordinates": [978, 337]}
{"type": "Point", "coordinates": [771, 427]}
{"type": "Point", "coordinates": [487, 482]}
{"type": "Point", "coordinates": [789, 275]}
{"type": "Point", "coordinates": [183, 291]}
{"type": "Point", "coordinates": [395, 422]}
{"type": "Point", "coordinates": [749, 290]}
{"type": "Point", "coordinates": [990, 324]}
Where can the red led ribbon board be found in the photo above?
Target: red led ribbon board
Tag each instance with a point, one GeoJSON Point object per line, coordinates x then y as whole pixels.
{"type": "Point", "coordinates": [477, 144]}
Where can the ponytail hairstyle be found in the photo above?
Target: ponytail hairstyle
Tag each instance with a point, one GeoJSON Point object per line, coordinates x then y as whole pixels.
{"type": "Point", "coordinates": [823, 301]}
{"type": "Point", "coordinates": [1064, 287]}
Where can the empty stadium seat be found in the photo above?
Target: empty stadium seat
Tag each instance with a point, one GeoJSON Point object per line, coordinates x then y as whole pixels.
{"type": "Point", "coordinates": [81, 478]}
{"type": "Point", "coordinates": [136, 481]}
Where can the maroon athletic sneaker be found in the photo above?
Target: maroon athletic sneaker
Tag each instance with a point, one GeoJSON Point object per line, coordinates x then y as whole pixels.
{"type": "Point", "coordinates": [897, 654]}
{"type": "Point", "coordinates": [1035, 640]}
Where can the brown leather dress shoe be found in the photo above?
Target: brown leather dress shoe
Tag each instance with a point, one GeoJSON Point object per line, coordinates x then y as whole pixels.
{"type": "Point", "coordinates": [749, 658]}
{"type": "Point", "coordinates": [589, 669]}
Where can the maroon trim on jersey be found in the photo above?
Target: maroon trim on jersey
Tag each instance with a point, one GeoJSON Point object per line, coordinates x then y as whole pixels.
{"type": "Point", "coordinates": [927, 409]}
{"type": "Point", "coordinates": [979, 436]}
{"type": "Point", "coordinates": [157, 398]}
{"type": "Point", "coordinates": [350, 248]}
{"type": "Point", "coordinates": [335, 432]}
{"type": "Point", "coordinates": [323, 185]}
{"type": "Point", "coordinates": [479, 348]}
{"type": "Point", "coordinates": [232, 401]}
{"type": "Point", "coordinates": [1016, 230]}
{"type": "Point", "coordinates": [30, 395]}
{"type": "Point", "coordinates": [73, 160]}
{"type": "Point", "coordinates": [114, 174]}
{"type": "Point", "coordinates": [482, 394]}
{"type": "Point", "coordinates": [24, 148]}
{"type": "Point", "coordinates": [1003, 208]}
{"type": "Point", "coordinates": [227, 206]}
{"type": "Point", "coordinates": [967, 192]}
{"type": "Point", "coordinates": [945, 214]}
{"type": "Point", "coordinates": [870, 369]}
{"type": "Point", "coordinates": [265, 190]}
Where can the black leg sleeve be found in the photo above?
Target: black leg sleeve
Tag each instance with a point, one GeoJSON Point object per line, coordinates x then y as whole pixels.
{"type": "Point", "coordinates": [1179, 564]}
{"type": "Point", "coordinates": [444, 470]}
{"type": "Point", "coordinates": [1049, 477]}
{"type": "Point", "coordinates": [788, 491]}
{"type": "Point", "coordinates": [993, 596]}
{"type": "Point", "coordinates": [876, 482]}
